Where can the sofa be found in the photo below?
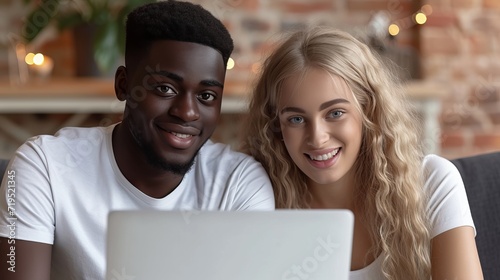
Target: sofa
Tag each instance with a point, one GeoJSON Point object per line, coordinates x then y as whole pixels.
{"type": "Point", "coordinates": [481, 176]}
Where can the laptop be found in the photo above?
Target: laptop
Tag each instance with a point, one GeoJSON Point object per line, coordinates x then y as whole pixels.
{"type": "Point", "coordinates": [238, 245]}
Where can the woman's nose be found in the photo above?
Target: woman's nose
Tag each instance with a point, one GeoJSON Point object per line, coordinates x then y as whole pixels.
{"type": "Point", "coordinates": [317, 134]}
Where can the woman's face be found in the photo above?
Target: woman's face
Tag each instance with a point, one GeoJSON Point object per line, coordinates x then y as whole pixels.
{"type": "Point", "coordinates": [321, 126]}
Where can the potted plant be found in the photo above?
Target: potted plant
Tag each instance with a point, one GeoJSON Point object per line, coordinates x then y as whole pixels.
{"type": "Point", "coordinates": [98, 28]}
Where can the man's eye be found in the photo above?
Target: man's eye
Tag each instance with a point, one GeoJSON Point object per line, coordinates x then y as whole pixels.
{"type": "Point", "coordinates": [207, 96]}
{"type": "Point", "coordinates": [165, 89]}
{"type": "Point", "coordinates": [296, 120]}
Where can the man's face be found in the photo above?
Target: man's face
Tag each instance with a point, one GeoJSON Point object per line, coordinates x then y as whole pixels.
{"type": "Point", "coordinates": [173, 102]}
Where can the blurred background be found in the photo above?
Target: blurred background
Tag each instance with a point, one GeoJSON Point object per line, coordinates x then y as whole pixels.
{"type": "Point", "coordinates": [57, 61]}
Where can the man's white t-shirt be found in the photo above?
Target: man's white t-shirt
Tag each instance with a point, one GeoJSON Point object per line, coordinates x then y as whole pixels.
{"type": "Point", "coordinates": [447, 207]}
{"type": "Point", "coordinates": [67, 184]}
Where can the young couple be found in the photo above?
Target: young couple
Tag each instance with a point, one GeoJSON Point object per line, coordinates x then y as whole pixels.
{"type": "Point", "coordinates": [326, 122]}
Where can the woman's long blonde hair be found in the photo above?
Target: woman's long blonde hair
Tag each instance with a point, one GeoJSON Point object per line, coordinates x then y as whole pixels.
{"type": "Point", "coordinates": [388, 171]}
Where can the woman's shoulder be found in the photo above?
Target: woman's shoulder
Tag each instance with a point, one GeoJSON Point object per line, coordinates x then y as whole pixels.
{"type": "Point", "coordinates": [436, 167]}
{"type": "Point", "coordinates": [447, 199]}
{"type": "Point", "coordinates": [441, 176]}
{"type": "Point", "coordinates": [435, 161]}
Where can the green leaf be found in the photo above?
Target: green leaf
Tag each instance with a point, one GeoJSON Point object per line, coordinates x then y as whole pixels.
{"type": "Point", "coordinates": [70, 20]}
{"type": "Point", "coordinates": [121, 19]}
{"type": "Point", "coordinates": [39, 18]}
{"type": "Point", "coordinates": [106, 49]}
{"type": "Point", "coordinates": [136, 3]}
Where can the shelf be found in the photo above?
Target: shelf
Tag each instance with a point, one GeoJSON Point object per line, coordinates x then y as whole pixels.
{"type": "Point", "coordinates": [83, 95]}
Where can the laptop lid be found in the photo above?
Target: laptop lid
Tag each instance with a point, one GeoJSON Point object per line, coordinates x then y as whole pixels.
{"type": "Point", "coordinates": [243, 245]}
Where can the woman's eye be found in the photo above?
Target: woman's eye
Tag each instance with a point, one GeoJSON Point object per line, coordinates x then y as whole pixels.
{"type": "Point", "coordinates": [336, 114]}
{"type": "Point", "coordinates": [206, 96]}
{"type": "Point", "coordinates": [296, 120]}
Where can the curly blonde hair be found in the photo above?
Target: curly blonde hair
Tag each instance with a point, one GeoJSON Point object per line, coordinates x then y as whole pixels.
{"type": "Point", "coordinates": [388, 172]}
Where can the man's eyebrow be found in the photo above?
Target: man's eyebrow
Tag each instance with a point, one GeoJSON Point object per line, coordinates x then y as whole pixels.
{"type": "Point", "coordinates": [167, 74]}
{"type": "Point", "coordinates": [321, 107]}
{"type": "Point", "coordinates": [178, 78]}
{"type": "Point", "coordinates": [212, 83]}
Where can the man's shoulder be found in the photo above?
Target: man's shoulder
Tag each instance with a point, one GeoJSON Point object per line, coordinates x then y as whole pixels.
{"type": "Point", "coordinates": [222, 152]}
{"type": "Point", "coordinates": [68, 134]}
{"type": "Point", "coordinates": [68, 140]}
{"type": "Point", "coordinates": [223, 158]}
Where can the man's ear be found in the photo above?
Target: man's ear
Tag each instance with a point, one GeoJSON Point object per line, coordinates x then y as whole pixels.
{"type": "Point", "coordinates": [121, 83]}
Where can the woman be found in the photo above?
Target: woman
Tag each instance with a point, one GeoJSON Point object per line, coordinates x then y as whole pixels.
{"type": "Point", "coordinates": [333, 130]}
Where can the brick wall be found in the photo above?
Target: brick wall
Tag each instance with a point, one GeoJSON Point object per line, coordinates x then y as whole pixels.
{"type": "Point", "coordinates": [458, 46]}
{"type": "Point", "coordinates": [256, 24]}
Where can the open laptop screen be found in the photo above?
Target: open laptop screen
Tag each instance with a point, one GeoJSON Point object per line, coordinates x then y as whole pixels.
{"type": "Point", "coordinates": [243, 245]}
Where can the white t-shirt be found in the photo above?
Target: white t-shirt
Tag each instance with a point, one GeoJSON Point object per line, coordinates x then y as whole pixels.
{"type": "Point", "coordinates": [448, 207]}
{"type": "Point", "coordinates": [67, 184]}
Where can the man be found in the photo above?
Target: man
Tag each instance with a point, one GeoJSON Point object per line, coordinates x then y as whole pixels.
{"type": "Point", "coordinates": [159, 157]}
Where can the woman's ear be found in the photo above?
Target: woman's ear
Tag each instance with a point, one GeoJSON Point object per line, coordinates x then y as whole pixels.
{"type": "Point", "coordinates": [121, 83]}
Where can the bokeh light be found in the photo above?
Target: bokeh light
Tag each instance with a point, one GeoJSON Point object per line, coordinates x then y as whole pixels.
{"type": "Point", "coordinates": [38, 59]}
{"type": "Point", "coordinates": [420, 18]}
{"type": "Point", "coordinates": [230, 63]}
{"type": "Point", "coordinates": [256, 68]}
{"type": "Point", "coordinates": [426, 9]}
{"type": "Point", "coordinates": [29, 58]}
{"type": "Point", "coordinates": [393, 29]}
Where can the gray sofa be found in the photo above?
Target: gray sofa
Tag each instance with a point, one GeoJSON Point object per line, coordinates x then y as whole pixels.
{"type": "Point", "coordinates": [3, 166]}
{"type": "Point", "coordinates": [481, 175]}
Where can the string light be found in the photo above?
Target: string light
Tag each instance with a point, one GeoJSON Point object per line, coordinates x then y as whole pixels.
{"type": "Point", "coordinates": [393, 29]}
{"type": "Point", "coordinates": [420, 18]}
{"type": "Point", "coordinates": [38, 59]}
{"type": "Point", "coordinates": [256, 68]}
{"type": "Point", "coordinates": [404, 23]}
{"type": "Point", "coordinates": [230, 64]}
{"type": "Point", "coordinates": [426, 9]}
{"type": "Point", "coordinates": [39, 64]}
{"type": "Point", "coordinates": [29, 58]}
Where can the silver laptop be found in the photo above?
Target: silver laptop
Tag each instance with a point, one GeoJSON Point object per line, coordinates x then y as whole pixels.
{"type": "Point", "coordinates": [243, 245]}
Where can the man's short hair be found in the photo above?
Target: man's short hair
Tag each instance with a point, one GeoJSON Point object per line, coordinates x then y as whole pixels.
{"type": "Point", "coordinates": [177, 21]}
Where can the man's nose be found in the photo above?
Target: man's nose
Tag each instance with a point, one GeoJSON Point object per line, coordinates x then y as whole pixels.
{"type": "Point", "coordinates": [185, 107]}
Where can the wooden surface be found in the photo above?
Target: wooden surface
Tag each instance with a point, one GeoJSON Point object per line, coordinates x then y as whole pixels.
{"type": "Point", "coordinates": [82, 95]}
{"type": "Point", "coordinates": [91, 95]}
{"type": "Point", "coordinates": [60, 88]}
{"type": "Point", "coordinates": [94, 87]}
{"type": "Point", "coordinates": [85, 96]}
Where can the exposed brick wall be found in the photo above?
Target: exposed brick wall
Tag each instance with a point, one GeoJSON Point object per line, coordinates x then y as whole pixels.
{"type": "Point", "coordinates": [458, 46]}
{"type": "Point", "coordinates": [254, 24]}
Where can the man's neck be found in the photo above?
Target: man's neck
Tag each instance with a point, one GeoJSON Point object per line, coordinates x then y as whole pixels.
{"type": "Point", "coordinates": [133, 164]}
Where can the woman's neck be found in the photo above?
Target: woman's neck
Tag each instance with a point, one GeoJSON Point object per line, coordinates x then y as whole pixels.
{"type": "Point", "coordinates": [338, 195]}
{"type": "Point", "coordinates": [341, 195]}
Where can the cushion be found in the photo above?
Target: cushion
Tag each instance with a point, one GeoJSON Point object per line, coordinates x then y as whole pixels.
{"type": "Point", "coordinates": [481, 176]}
